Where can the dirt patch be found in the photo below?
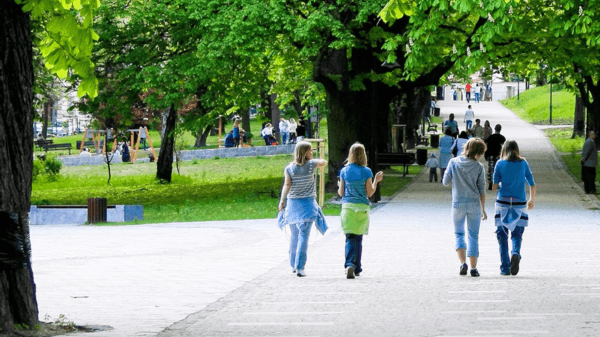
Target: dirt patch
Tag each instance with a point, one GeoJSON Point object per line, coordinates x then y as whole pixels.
{"type": "Point", "coordinates": [52, 329]}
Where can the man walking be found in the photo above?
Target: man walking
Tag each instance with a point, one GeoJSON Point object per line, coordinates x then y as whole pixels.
{"type": "Point", "coordinates": [469, 115]}
{"type": "Point", "coordinates": [589, 161]}
{"type": "Point", "coordinates": [494, 147]}
{"type": "Point", "coordinates": [478, 129]}
{"type": "Point", "coordinates": [468, 89]}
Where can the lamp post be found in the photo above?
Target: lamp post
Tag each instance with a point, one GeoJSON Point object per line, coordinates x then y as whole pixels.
{"type": "Point", "coordinates": [550, 102]}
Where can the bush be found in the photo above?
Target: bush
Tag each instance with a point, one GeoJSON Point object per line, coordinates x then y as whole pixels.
{"type": "Point", "coordinates": [38, 168]}
{"type": "Point", "coordinates": [52, 166]}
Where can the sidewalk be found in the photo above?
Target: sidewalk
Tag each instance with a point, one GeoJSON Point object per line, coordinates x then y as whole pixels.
{"type": "Point", "coordinates": [232, 278]}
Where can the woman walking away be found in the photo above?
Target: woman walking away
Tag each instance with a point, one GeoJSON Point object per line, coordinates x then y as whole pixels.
{"type": "Point", "coordinates": [355, 188]}
{"type": "Point", "coordinates": [301, 209]}
{"type": "Point", "coordinates": [446, 143]}
{"type": "Point", "coordinates": [511, 173]}
{"type": "Point", "coordinates": [467, 177]}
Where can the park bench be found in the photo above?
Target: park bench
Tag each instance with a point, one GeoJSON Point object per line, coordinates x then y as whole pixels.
{"type": "Point", "coordinates": [431, 126]}
{"type": "Point", "coordinates": [52, 147]}
{"type": "Point", "coordinates": [40, 143]}
{"type": "Point", "coordinates": [421, 140]}
{"type": "Point", "coordinates": [396, 159]}
{"type": "Point", "coordinates": [88, 143]}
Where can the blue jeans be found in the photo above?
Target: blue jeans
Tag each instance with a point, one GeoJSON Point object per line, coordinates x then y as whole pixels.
{"type": "Point", "coordinates": [299, 244]}
{"type": "Point", "coordinates": [517, 238]}
{"type": "Point", "coordinates": [284, 137]}
{"type": "Point", "coordinates": [353, 252]}
{"type": "Point", "coordinates": [469, 124]}
{"type": "Point", "coordinates": [477, 97]}
{"type": "Point", "coordinates": [472, 213]}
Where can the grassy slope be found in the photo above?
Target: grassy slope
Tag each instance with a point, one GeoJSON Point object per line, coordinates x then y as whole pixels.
{"type": "Point", "coordinates": [534, 106]}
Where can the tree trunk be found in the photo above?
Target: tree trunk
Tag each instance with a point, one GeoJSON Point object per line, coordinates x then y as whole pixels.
{"type": "Point", "coordinates": [202, 136]}
{"type": "Point", "coordinates": [246, 120]}
{"type": "Point", "coordinates": [275, 117]}
{"type": "Point", "coordinates": [579, 120]}
{"type": "Point", "coordinates": [265, 104]}
{"type": "Point", "coordinates": [298, 103]}
{"type": "Point", "coordinates": [47, 111]}
{"type": "Point", "coordinates": [18, 304]}
{"type": "Point", "coordinates": [164, 164]}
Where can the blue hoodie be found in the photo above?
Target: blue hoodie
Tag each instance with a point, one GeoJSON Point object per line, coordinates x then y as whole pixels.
{"type": "Point", "coordinates": [467, 177]}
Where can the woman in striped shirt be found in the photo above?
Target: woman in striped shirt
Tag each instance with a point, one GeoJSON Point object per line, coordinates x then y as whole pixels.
{"type": "Point", "coordinates": [301, 209]}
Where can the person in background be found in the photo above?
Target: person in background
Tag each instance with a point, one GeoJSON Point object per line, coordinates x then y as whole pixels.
{"type": "Point", "coordinates": [267, 134]}
{"type": "Point", "coordinates": [589, 162]}
{"type": "Point", "coordinates": [292, 129]}
{"type": "Point", "coordinates": [298, 206]}
{"type": "Point", "coordinates": [40, 137]}
{"type": "Point", "coordinates": [478, 129]}
{"type": "Point", "coordinates": [487, 130]}
{"type": "Point", "coordinates": [494, 147]}
{"type": "Point", "coordinates": [452, 124]}
{"type": "Point", "coordinates": [432, 163]}
{"type": "Point", "coordinates": [477, 92]}
{"type": "Point", "coordinates": [459, 144]}
{"type": "Point", "coordinates": [85, 153]}
{"type": "Point", "coordinates": [236, 132]}
{"type": "Point", "coordinates": [510, 175]}
{"type": "Point", "coordinates": [446, 143]}
{"type": "Point", "coordinates": [301, 128]}
{"type": "Point", "coordinates": [468, 89]}
{"type": "Point", "coordinates": [126, 157]}
{"type": "Point", "coordinates": [355, 186]}
{"type": "Point", "coordinates": [467, 177]}
{"type": "Point", "coordinates": [285, 131]}
{"type": "Point", "coordinates": [229, 141]}
{"type": "Point", "coordinates": [469, 115]}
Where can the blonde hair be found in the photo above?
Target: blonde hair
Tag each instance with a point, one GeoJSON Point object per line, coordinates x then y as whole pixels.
{"type": "Point", "coordinates": [510, 151]}
{"type": "Point", "coordinates": [473, 148]}
{"type": "Point", "coordinates": [236, 123]}
{"type": "Point", "coordinates": [301, 151]}
{"type": "Point", "coordinates": [293, 121]}
{"type": "Point", "coordinates": [357, 155]}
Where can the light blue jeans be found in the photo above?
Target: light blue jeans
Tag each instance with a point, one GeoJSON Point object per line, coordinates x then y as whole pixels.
{"type": "Point", "coordinates": [299, 244]}
{"type": "Point", "coordinates": [285, 136]}
{"type": "Point", "coordinates": [471, 212]}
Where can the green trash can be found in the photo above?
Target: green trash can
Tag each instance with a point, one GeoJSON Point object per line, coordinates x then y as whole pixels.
{"type": "Point", "coordinates": [421, 155]}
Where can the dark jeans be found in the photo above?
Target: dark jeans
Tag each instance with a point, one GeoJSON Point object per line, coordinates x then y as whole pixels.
{"type": "Point", "coordinates": [432, 174]}
{"type": "Point", "coordinates": [468, 96]}
{"type": "Point", "coordinates": [588, 175]}
{"type": "Point", "coordinates": [442, 171]}
{"type": "Point", "coordinates": [353, 252]}
{"type": "Point", "coordinates": [516, 237]}
{"type": "Point", "coordinates": [490, 173]}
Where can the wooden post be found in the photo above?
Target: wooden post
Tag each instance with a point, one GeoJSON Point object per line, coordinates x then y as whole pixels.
{"type": "Point", "coordinates": [321, 171]}
{"type": "Point", "coordinates": [83, 141]}
{"type": "Point", "coordinates": [114, 145]}
{"type": "Point", "coordinates": [131, 143]}
{"type": "Point", "coordinates": [220, 127]}
{"type": "Point", "coordinates": [150, 142]}
{"type": "Point", "coordinates": [103, 144]}
{"type": "Point", "coordinates": [137, 145]}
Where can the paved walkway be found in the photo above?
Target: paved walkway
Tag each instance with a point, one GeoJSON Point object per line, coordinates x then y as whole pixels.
{"type": "Point", "coordinates": [232, 279]}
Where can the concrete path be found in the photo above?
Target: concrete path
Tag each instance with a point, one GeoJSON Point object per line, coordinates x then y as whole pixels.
{"type": "Point", "coordinates": [232, 279]}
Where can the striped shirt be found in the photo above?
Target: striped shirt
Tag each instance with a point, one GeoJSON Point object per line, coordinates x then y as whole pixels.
{"type": "Point", "coordinates": [303, 180]}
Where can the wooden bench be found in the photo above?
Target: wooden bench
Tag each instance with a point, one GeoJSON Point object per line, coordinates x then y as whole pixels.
{"type": "Point", "coordinates": [396, 159]}
{"type": "Point", "coordinates": [40, 143]}
{"type": "Point", "coordinates": [430, 126]}
{"type": "Point", "coordinates": [421, 140]}
{"type": "Point", "coordinates": [52, 147]}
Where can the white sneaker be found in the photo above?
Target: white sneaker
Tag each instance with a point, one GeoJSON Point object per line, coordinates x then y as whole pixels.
{"type": "Point", "coordinates": [301, 273]}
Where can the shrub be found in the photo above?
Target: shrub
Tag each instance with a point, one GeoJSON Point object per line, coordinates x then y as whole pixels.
{"type": "Point", "coordinates": [52, 166]}
{"type": "Point", "coordinates": [38, 168]}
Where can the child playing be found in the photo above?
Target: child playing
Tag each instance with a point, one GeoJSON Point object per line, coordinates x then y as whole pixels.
{"type": "Point", "coordinates": [355, 187]}
{"type": "Point", "coordinates": [432, 163]}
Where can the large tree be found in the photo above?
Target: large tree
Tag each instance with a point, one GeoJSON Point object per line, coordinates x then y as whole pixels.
{"type": "Point", "coordinates": [67, 44]}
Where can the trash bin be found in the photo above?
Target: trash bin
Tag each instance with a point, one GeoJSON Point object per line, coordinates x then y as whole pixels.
{"type": "Point", "coordinates": [421, 155]}
{"type": "Point", "coordinates": [96, 209]}
{"type": "Point", "coordinates": [436, 112]}
{"type": "Point", "coordinates": [434, 140]}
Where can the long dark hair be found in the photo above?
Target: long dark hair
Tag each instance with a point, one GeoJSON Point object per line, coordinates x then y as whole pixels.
{"type": "Point", "coordinates": [510, 151]}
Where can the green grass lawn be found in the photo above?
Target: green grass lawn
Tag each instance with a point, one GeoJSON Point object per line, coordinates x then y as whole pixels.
{"type": "Point", "coordinates": [534, 106]}
{"type": "Point", "coordinates": [562, 141]}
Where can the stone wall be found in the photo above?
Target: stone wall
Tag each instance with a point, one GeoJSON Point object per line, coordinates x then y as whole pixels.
{"type": "Point", "coordinates": [188, 155]}
{"type": "Point", "coordinates": [78, 216]}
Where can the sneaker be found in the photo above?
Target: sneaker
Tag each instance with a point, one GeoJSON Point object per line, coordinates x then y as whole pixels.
{"type": "Point", "coordinates": [474, 272]}
{"type": "Point", "coordinates": [504, 274]}
{"type": "Point", "coordinates": [293, 271]}
{"type": "Point", "coordinates": [350, 272]}
{"type": "Point", "coordinates": [514, 264]}
{"type": "Point", "coordinates": [356, 273]}
{"type": "Point", "coordinates": [301, 273]}
{"type": "Point", "coordinates": [463, 269]}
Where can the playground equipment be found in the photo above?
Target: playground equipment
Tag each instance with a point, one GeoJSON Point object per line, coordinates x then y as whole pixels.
{"type": "Point", "coordinates": [142, 133]}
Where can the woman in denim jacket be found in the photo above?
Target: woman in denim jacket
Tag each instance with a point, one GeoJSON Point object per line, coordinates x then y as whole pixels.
{"type": "Point", "coordinates": [510, 175]}
{"type": "Point", "coordinates": [302, 208]}
{"type": "Point", "coordinates": [467, 177]}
